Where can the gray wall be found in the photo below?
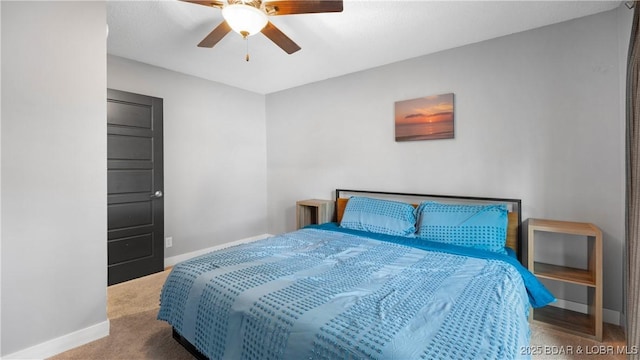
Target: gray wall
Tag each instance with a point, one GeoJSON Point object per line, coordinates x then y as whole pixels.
{"type": "Point", "coordinates": [53, 185]}
{"type": "Point", "coordinates": [537, 116]}
{"type": "Point", "coordinates": [214, 155]}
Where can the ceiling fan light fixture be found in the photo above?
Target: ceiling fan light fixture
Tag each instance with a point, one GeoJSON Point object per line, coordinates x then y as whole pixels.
{"type": "Point", "coordinates": [244, 19]}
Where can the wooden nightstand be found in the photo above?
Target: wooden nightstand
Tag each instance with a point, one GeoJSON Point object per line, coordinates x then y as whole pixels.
{"type": "Point", "coordinates": [587, 325]}
{"type": "Point", "coordinates": [313, 211]}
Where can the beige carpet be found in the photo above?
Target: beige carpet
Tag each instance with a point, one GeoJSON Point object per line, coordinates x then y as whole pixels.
{"type": "Point", "coordinates": [552, 344]}
{"type": "Point", "coordinates": [136, 334]}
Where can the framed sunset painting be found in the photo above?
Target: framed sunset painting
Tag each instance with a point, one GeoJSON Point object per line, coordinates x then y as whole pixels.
{"type": "Point", "coordinates": [425, 118]}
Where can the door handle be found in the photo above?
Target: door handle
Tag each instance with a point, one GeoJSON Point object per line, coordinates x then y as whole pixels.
{"type": "Point", "coordinates": [158, 194]}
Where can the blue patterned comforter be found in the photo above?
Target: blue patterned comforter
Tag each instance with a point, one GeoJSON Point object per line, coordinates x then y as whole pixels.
{"type": "Point", "coordinates": [322, 293]}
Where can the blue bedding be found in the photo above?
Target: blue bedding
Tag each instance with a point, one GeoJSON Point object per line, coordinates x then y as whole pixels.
{"type": "Point", "coordinates": [329, 293]}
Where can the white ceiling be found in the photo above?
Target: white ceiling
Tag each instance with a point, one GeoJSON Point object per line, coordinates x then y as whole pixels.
{"type": "Point", "coordinates": [365, 35]}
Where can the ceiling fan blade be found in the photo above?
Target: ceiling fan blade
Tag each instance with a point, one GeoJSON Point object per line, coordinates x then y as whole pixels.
{"type": "Point", "coordinates": [212, 3]}
{"type": "Point", "coordinates": [216, 35]}
{"type": "Point", "coordinates": [291, 7]}
{"type": "Point", "coordinates": [280, 39]}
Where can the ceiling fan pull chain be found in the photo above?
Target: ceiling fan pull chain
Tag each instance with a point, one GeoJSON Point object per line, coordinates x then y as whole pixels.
{"type": "Point", "coordinates": [246, 38]}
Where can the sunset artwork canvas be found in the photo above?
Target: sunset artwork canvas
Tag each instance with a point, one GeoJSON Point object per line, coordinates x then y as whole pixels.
{"type": "Point", "coordinates": [426, 118]}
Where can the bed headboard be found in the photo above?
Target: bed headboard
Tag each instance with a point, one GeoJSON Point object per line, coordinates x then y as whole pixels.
{"type": "Point", "coordinates": [514, 206]}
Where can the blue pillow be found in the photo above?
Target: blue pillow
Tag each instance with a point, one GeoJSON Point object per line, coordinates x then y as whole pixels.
{"type": "Point", "coordinates": [477, 226]}
{"type": "Point", "coordinates": [379, 216]}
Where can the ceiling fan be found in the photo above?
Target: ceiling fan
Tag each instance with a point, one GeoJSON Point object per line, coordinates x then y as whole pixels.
{"type": "Point", "coordinates": [248, 17]}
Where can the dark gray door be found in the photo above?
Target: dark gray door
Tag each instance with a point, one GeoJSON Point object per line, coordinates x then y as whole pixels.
{"type": "Point", "coordinates": [135, 185]}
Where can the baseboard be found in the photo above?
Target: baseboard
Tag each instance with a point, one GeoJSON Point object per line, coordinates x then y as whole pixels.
{"type": "Point", "coordinates": [608, 316]}
{"type": "Point", "coordinates": [63, 343]}
{"type": "Point", "coordinates": [171, 261]}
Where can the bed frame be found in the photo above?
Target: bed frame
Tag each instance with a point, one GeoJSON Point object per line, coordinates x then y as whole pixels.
{"type": "Point", "coordinates": [514, 206]}
{"type": "Point", "coordinates": [514, 233]}
{"type": "Point", "coordinates": [188, 346]}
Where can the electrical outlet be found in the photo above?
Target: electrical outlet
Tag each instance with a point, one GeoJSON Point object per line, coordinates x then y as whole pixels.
{"type": "Point", "coordinates": [168, 241]}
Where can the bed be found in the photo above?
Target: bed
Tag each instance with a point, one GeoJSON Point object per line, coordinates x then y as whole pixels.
{"type": "Point", "coordinates": [397, 276]}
